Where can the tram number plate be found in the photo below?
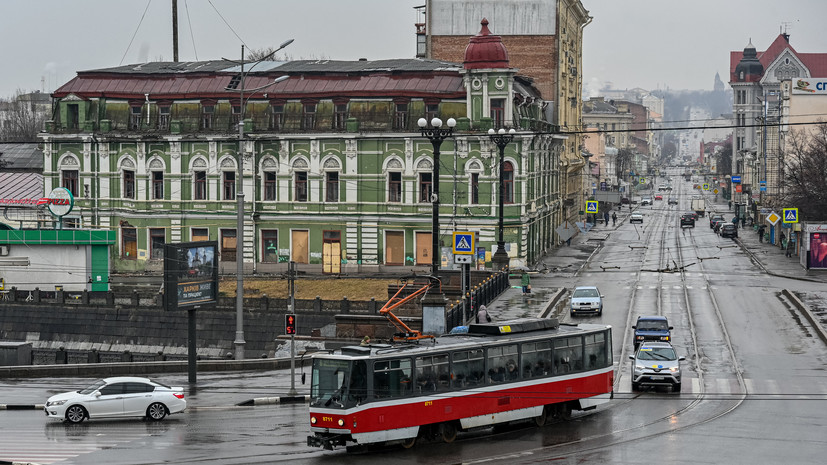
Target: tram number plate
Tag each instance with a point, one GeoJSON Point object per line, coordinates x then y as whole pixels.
{"type": "Point", "coordinates": [656, 378]}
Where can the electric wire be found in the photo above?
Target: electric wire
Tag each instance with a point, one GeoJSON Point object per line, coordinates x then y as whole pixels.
{"type": "Point", "coordinates": [135, 33]}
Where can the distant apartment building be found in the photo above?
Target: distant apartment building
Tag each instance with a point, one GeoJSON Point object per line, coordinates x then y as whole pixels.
{"type": "Point", "coordinates": [755, 78]}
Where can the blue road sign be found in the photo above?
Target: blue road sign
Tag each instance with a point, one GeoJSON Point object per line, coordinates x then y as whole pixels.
{"type": "Point", "coordinates": [591, 206]}
{"type": "Point", "coordinates": [736, 179]}
{"type": "Point", "coordinates": [790, 215]}
{"type": "Point", "coordinates": [463, 243]}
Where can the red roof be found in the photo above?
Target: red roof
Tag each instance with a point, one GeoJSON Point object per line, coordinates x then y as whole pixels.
{"type": "Point", "coordinates": [159, 85]}
{"type": "Point", "coordinates": [485, 51]}
{"type": "Point", "coordinates": [815, 62]}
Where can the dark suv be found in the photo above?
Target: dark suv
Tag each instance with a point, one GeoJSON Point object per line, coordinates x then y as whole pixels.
{"type": "Point", "coordinates": [652, 328]}
{"type": "Point", "coordinates": [687, 219]}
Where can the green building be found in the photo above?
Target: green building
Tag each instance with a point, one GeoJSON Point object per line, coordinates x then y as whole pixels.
{"type": "Point", "coordinates": [335, 172]}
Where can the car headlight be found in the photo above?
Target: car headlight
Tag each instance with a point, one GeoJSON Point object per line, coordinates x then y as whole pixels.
{"type": "Point", "coordinates": [675, 369]}
{"type": "Point", "coordinates": [640, 367]}
{"type": "Point", "coordinates": [57, 402]}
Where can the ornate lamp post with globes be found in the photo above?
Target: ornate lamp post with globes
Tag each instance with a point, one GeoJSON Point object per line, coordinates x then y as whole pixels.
{"type": "Point", "coordinates": [501, 139]}
{"type": "Point", "coordinates": [436, 134]}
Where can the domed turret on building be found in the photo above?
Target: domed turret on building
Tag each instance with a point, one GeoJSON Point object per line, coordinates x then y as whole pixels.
{"type": "Point", "coordinates": [749, 69]}
{"type": "Point", "coordinates": [485, 51]}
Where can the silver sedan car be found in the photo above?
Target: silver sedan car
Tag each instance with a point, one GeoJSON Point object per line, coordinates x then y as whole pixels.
{"type": "Point", "coordinates": [123, 396]}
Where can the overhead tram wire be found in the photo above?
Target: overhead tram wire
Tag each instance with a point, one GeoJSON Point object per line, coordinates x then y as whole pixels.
{"type": "Point", "coordinates": [135, 33]}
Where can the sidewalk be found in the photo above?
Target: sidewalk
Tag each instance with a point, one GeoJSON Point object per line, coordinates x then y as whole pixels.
{"type": "Point", "coordinates": [771, 258]}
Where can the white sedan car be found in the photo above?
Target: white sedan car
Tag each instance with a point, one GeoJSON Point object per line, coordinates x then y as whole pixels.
{"type": "Point", "coordinates": [124, 396]}
{"type": "Point", "coordinates": [636, 217]}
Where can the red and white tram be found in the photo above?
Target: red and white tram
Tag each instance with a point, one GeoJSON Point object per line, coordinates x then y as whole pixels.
{"type": "Point", "coordinates": [497, 372]}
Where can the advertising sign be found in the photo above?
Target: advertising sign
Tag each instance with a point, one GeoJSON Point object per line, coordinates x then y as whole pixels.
{"type": "Point", "coordinates": [190, 274]}
{"type": "Point", "coordinates": [810, 86]}
{"type": "Point", "coordinates": [818, 250]}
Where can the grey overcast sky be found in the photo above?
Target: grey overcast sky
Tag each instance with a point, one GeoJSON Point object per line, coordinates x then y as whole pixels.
{"type": "Point", "coordinates": [651, 44]}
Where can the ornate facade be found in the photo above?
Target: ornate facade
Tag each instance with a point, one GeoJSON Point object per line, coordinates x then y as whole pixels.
{"type": "Point", "coordinates": [335, 173]}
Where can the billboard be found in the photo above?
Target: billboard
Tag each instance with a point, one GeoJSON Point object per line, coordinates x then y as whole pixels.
{"type": "Point", "coordinates": [190, 275]}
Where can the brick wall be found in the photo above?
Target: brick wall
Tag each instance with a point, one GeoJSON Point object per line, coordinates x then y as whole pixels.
{"type": "Point", "coordinates": [534, 56]}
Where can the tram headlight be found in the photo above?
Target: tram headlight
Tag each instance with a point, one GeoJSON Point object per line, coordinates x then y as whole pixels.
{"type": "Point", "coordinates": [312, 420]}
{"type": "Point", "coordinates": [341, 422]}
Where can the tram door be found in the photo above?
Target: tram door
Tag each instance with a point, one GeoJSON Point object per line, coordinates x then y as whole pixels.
{"type": "Point", "coordinates": [332, 252]}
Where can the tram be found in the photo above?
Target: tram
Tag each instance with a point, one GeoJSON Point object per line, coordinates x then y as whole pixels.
{"type": "Point", "coordinates": [523, 369]}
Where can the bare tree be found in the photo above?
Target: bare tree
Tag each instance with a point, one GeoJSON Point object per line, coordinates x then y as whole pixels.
{"type": "Point", "coordinates": [805, 172]}
{"type": "Point", "coordinates": [625, 157]}
{"type": "Point", "coordinates": [22, 117]}
{"type": "Point", "coordinates": [723, 165]}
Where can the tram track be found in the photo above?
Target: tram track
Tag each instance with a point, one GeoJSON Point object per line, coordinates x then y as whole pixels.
{"type": "Point", "coordinates": [661, 225]}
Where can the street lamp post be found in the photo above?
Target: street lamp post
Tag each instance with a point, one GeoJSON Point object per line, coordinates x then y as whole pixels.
{"type": "Point", "coordinates": [501, 139]}
{"type": "Point", "coordinates": [239, 342]}
{"type": "Point", "coordinates": [436, 134]}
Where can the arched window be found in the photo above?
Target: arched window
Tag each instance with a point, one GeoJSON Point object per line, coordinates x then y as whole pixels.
{"type": "Point", "coordinates": [508, 182]}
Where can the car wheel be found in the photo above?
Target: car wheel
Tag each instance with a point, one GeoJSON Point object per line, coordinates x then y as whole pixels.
{"type": "Point", "coordinates": [635, 386]}
{"type": "Point", "coordinates": [75, 414]}
{"type": "Point", "coordinates": [676, 387]}
{"type": "Point", "coordinates": [156, 411]}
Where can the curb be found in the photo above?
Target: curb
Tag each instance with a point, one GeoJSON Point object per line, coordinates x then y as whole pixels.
{"type": "Point", "coordinates": [766, 270]}
{"type": "Point", "coordinates": [275, 400]}
{"type": "Point", "coordinates": [550, 304]}
{"type": "Point", "coordinates": [805, 310]}
{"type": "Point", "coordinates": [21, 407]}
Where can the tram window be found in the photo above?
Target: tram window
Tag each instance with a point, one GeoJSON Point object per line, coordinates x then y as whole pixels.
{"type": "Point", "coordinates": [595, 348]}
{"type": "Point", "coordinates": [432, 373]}
{"type": "Point", "coordinates": [502, 364]}
{"type": "Point", "coordinates": [391, 378]}
{"type": "Point", "coordinates": [358, 389]}
{"type": "Point", "coordinates": [327, 380]}
{"type": "Point", "coordinates": [536, 359]}
{"type": "Point", "coordinates": [468, 368]}
{"type": "Point", "coordinates": [568, 354]}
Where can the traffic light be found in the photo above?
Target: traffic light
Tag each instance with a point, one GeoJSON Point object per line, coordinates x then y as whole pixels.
{"type": "Point", "coordinates": [290, 323]}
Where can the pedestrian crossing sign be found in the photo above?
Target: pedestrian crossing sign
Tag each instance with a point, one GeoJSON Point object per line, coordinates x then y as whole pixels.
{"type": "Point", "coordinates": [706, 186]}
{"type": "Point", "coordinates": [591, 206]}
{"type": "Point", "coordinates": [463, 243]}
{"type": "Point", "coordinates": [790, 215]}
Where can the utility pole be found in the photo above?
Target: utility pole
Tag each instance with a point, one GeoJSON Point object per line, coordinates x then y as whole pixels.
{"type": "Point", "coordinates": [175, 31]}
{"type": "Point", "coordinates": [291, 308]}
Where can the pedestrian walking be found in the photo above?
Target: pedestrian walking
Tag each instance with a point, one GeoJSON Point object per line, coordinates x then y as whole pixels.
{"type": "Point", "coordinates": [525, 281]}
{"type": "Point", "coordinates": [606, 217]}
{"type": "Point", "coordinates": [783, 240]}
{"type": "Point", "coordinates": [614, 219]}
{"type": "Point", "coordinates": [482, 315]}
{"type": "Point", "coordinates": [789, 246]}
{"type": "Point", "coordinates": [761, 233]}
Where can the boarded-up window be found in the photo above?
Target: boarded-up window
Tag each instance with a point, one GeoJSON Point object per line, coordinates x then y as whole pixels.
{"type": "Point", "coordinates": [299, 246]}
{"type": "Point", "coordinates": [229, 243]}
{"type": "Point", "coordinates": [129, 244]}
{"type": "Point", "coordinates": [200, 234]}
{"type": "Point", "coordinates": [394, 248]}
{"type": "Point", "coordinates": [423, 248]}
